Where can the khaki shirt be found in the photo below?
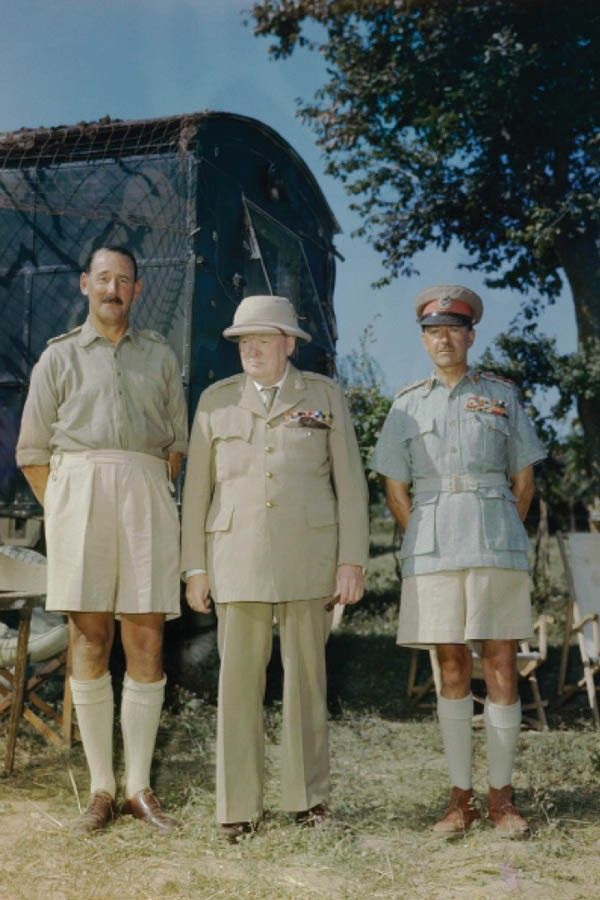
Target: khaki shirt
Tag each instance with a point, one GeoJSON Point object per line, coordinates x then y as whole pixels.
{"type": "Point", "coordinates": [87, 393]}
{"type": "Point", "coordinates": [272, 503]}
{"type": "Point", "coordinates": [457, 447]}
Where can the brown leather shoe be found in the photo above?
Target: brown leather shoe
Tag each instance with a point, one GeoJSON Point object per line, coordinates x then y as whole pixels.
{"type": "Point", "coordinates": [315, 816]}
{"type": "Point", "coordinates": [145, 806]}
{"type": "Point", "coordinates": [460, 815]}
{"type": "Point", "coordinates": [100, 812]}
{"type": "Point", "coordinates": [235, 831]}
{"type": "Point", "coordinates": [504, 815]}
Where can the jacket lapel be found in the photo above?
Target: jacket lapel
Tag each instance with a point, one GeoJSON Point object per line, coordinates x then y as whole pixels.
{"type": "Point", "coordinates": [251, 400]}
{"type": "Point", "coordinates": [291, 393]}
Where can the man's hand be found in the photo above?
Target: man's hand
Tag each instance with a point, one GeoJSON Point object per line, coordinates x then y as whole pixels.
{"type": "Point", "coordinates": [196, 592]}
{"type": "Point", "coordinates": [349, 584]}
{"type": "Point", "coordinates": [37, 478]}
{"type": "Point", "coordinates": [175, 465]}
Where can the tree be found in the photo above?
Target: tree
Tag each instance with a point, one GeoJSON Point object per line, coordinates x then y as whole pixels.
{"type": "Point", "coordinates": [476, 120]}
{"type": "Point", "coordinates": [369, 405]}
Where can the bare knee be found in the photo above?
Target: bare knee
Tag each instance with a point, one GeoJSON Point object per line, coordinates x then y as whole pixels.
{"type": "Point", "coordinates": [499, 660]}
{"type": "Point", "coordinates": [91, 636]}
{"type": "Point", "coordinates": [142, 637]}
{"type": "Point", "coordinates": [455, 670]}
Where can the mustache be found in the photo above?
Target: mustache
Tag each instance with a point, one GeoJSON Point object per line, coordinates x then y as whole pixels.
{"type": "Point", "coordinates": [113, 300]}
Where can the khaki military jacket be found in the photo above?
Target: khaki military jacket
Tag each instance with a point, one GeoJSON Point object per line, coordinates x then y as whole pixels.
{"type": "Point", "coordinates": [274, 501]}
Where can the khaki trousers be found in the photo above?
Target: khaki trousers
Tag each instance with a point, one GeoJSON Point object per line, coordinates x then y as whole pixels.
{"type": "Point", "coordinates": [245, 640]}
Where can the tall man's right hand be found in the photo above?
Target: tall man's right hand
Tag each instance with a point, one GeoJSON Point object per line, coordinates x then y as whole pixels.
{"type": "Point", "coordinates": [197, 592]}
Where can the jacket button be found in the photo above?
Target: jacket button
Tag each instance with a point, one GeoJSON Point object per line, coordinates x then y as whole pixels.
{"type": "Point", "coordinates": [268, 425]}
{"type": "Point", "coordinates": [268, 504]}
{"type": "Point", "coordinates": [268, 449]}
{"type": "Point", "coordinates": [269, 474]}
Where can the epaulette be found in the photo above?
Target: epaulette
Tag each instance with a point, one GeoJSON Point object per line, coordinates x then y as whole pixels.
{"type": "Point", "coordinates": [411, 387]}
{"type": "Point", "coordinates": [491, 376]}
{"type": "Point", "coordinates": [153, 335]}
{"type": "Point", "coordinates": [62, 337]}
{"type": "Point", "coordinates": [315, 376]}
{"type": "Point", "coordinates": [222, 382]}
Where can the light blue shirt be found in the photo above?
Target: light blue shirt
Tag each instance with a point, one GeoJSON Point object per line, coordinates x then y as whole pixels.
{"type": "Point", "coordinates": [457, 447]}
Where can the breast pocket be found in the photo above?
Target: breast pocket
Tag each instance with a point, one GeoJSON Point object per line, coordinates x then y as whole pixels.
{"type": "Point", "coordinates": [419, 537]}
{"type": "Point", "coordinates": [309, 445]}
{"type": "Point", "coordinates": [424, 447]}
{"type": "Point", "coordinates": [493, 433]}
{"type": "Point", "coordinates": [232, 435]}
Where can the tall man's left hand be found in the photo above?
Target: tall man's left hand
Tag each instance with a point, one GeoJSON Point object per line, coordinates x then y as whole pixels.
{"type": "Point", "coordinates": [349, 584]}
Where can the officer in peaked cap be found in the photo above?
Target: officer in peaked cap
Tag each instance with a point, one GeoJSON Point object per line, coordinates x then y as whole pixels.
{"type": "Point", "coordinates": [448, 304]}
{"type": "Point", "coordinates": [457, 454]}
{"type": "Point", "coordinates": [275, 523]}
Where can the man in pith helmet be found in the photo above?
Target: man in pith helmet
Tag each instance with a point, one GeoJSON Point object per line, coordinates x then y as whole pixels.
{"type": "Point", "coordinates": [275, 524]}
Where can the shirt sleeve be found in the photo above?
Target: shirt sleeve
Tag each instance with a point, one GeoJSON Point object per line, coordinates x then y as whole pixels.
{"type": "Point", "coordinates": [391, 456]}
{"type": "Point", "coordinates": [525, 448]}
{"type": "Point", "coordinates": [39, 416]}
{"type": "Point", "coordinates": [177, 408]}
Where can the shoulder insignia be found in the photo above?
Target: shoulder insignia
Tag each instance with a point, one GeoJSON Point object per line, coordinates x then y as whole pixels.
{"type": "Point", "coordinates": [411, 387]}
{"type": "Point", "coordinates": [153, 335]}
{"type": "Point", "coordinates": [491, 376]}
{"type": "Point", "coordinates": [315, 376]}
{"type": "Point", "coordinates": [62, 337]}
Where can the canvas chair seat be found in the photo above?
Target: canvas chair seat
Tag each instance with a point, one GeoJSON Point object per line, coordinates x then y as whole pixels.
{"type": "Point", "coordinates": [580, 554]}
{"type": "Point", "coordinates": [44, 644]}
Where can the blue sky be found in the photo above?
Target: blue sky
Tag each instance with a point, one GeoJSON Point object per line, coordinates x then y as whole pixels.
{"type": "Point", "coordinates": [63, 61]}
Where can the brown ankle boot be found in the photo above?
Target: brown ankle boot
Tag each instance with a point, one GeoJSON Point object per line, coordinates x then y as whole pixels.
{"type": "Point", "coordinates": [503, 814]}
{"type": "Point", "coordinates": [460, 815]}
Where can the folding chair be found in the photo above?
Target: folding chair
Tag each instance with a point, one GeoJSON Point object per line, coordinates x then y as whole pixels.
{"type": "Point", "coordinates": [22, 589]}
{"type": "Point", "coordinates": [580, 554]}
{"type": "Point", "coordinates": [528, 662]}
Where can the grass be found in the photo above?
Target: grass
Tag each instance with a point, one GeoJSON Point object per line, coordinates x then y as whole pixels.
{"type": "Point", "coordinates": [389, 784]}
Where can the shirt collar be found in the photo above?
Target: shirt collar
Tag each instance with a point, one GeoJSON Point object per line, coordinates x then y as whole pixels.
{"type": "Point", "coordinates": [260, 387]}
{"type": "Point", "coordinates": [471, 374]}
{"type": "Point", "coordinates": [89, 333]}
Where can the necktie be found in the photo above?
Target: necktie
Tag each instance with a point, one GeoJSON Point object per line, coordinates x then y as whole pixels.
{"type": "Point", "coordinates": [268, 395]}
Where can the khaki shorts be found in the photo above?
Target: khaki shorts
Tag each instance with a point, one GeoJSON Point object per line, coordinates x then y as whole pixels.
{"type": "Point", "coordinates": [454, 607]}
{"type": "Point", "coordinates": [112, 534]}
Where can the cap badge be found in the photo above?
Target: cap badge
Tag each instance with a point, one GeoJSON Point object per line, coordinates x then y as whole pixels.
{"type": "Point", "coordinates": [445, 303]}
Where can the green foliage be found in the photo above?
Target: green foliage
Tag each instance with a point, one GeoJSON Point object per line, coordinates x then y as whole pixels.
{"type": "Point", "coordinates": [476, 121]}
{"type": "Point", "coordinates": [363, 386]}
{"type": "Point", "coordinates": [465, 119]}
{"type": "Point", "coordinates": [532, 361]}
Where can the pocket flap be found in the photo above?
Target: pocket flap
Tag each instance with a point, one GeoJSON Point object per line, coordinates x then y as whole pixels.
{"type": "Point", "coordinates": [231, 423]}
{"type": "Point", "coordinates": [219, 519]}
{"type": "Point", "coordinates": [322, 514]}
{"type": "Point", "coordinates": [497, 423]}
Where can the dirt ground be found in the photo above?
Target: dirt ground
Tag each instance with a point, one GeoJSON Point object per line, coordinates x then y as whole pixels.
{"type": "Point", "coordinates": [389, 784]}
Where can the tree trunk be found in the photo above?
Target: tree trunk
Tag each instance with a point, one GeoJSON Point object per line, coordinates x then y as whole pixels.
{"type": "Point", "coordinates": [580, 258]}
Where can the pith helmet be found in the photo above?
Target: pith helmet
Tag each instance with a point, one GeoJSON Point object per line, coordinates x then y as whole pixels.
{"type": "Point", "coordinates": [264, 314]}
{"type": "Point", "coordinates": [448, 304]}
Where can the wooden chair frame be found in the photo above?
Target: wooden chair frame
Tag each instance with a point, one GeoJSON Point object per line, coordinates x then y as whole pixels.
{"type": "Point", "coordinates": [528, 662]}
{"type": "Point", "coordinates": [577, 620]}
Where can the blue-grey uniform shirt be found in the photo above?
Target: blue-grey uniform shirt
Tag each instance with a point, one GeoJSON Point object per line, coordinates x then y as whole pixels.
{"type": "Point", "coordinates": [457, 448]}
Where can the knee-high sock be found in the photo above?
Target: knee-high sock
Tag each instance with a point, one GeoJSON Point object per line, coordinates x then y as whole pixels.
{"type": "Point", "coordinates": [502, 726]}
{"type": "Point", "coordinates": [94, 704]}
{"type": "Point", "coordinates": [141, 704]}
{"type": "Point", "coordinates": [456, 725]}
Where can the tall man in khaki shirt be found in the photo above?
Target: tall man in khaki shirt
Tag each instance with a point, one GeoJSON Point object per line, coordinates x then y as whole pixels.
{"type": "Point", "coordinates": [274, 524]}
{"type": "Point", "coordinates": [103, 425]}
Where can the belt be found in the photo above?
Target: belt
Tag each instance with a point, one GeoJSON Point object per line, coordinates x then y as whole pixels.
{"type": "Point", "coordinates": [457, 484]}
